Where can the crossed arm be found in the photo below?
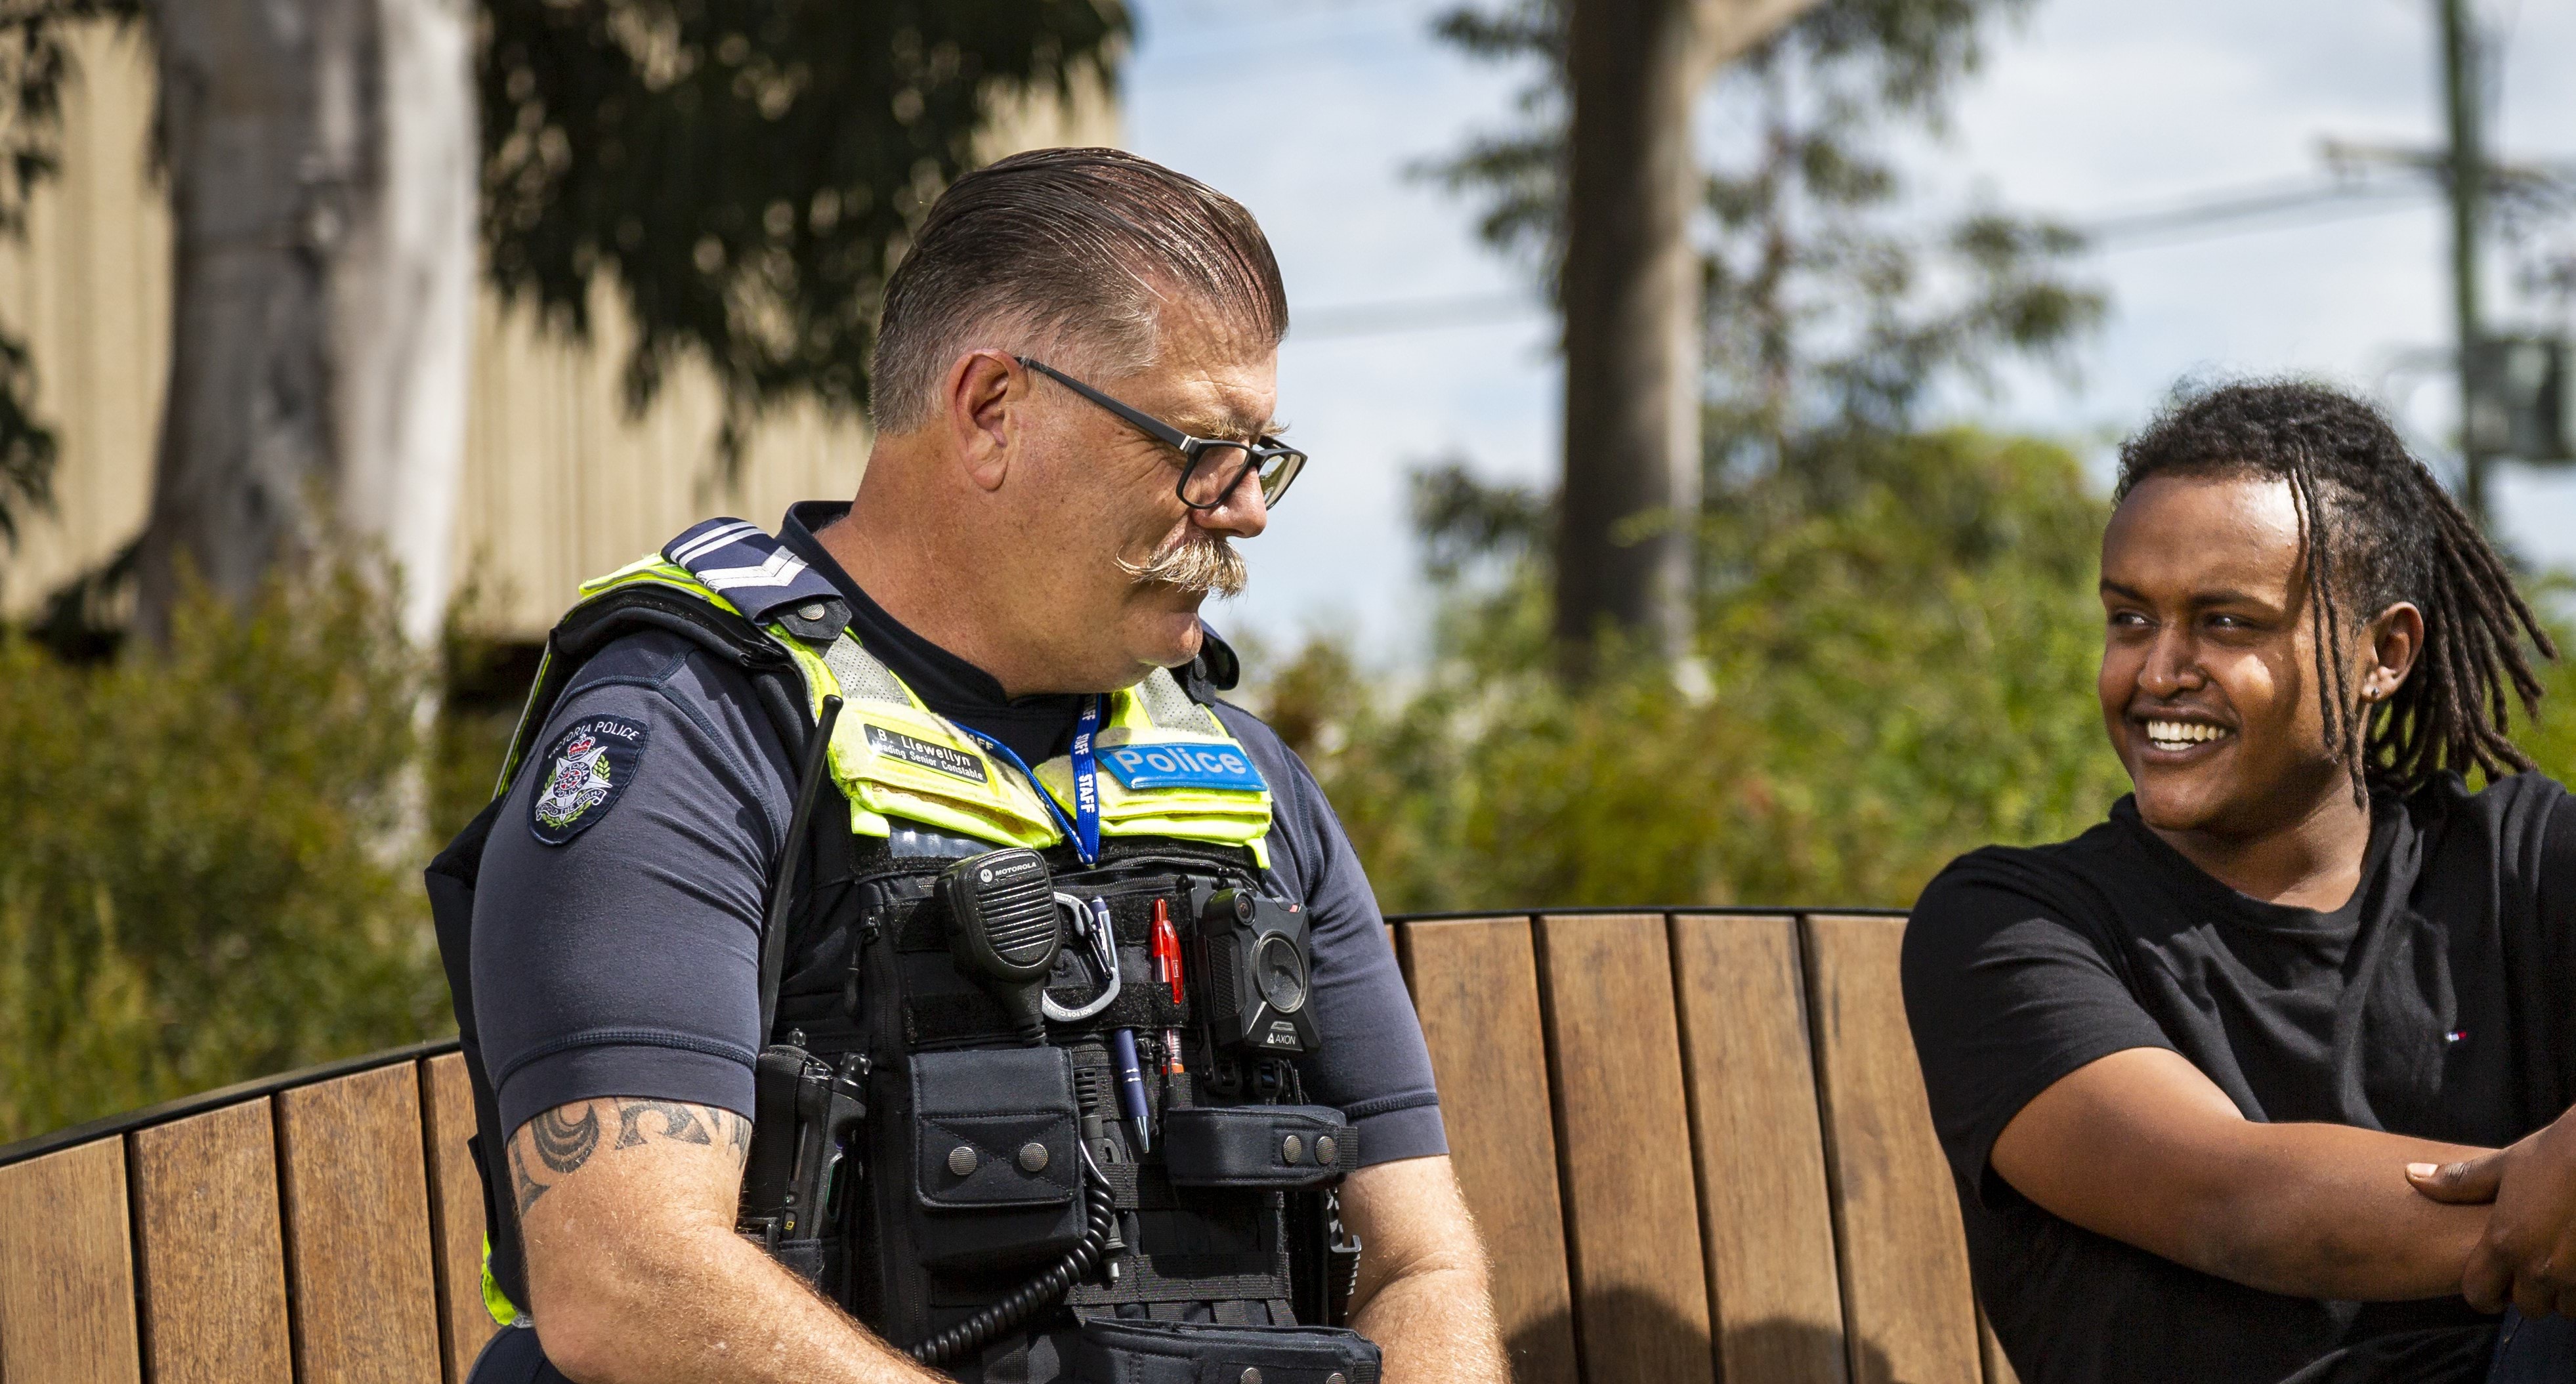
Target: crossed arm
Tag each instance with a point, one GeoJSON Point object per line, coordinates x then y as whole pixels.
{"type": "Point", "coordinates": [635, 1274]}
{"type": "Point", "coordinates": [2142, 1147]}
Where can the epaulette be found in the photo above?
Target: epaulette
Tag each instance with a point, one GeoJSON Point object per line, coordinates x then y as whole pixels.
{"type": "Point", "coordinates": [741, 562]}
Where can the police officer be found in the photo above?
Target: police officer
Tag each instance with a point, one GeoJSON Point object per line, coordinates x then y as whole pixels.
{"type": "Point", "coordinates": [888, 957]}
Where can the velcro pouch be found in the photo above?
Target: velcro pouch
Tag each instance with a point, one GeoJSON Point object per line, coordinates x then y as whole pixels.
{"type": "Point", "coordinates": [1284, 1146]}
{"type": "Point", "coordinates": [997, 1174]}
{"type": "Point", "coordinates": [1117, 1350]}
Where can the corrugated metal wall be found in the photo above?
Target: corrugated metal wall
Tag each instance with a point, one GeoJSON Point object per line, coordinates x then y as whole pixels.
{"type": "Point", "coordinates": [559, 483]}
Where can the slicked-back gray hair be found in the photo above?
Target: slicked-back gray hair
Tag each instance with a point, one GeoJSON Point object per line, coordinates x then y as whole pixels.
{"type": "Point", "coordinates": [1076, 244]}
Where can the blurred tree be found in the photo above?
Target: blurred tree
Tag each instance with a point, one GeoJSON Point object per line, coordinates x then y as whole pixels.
{"type": "Point", "coordinates": [741, 173]}
{"type": "Point", "coordinates": [1900, 643]}
{"type": "Point", "coordinates": [1630, 298]}
{"type": "Point", "coordinates": [1820, 317]}
{"type": "Point", "coordinates": [201, 878]}
{"type": "Point", "coordinates": [321, 158]}
{"type": "Point", "coordinates": [745, 171]}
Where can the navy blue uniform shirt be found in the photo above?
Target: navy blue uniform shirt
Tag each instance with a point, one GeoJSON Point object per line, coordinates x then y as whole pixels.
{"type": "Point", "coordinates": [624, 961]}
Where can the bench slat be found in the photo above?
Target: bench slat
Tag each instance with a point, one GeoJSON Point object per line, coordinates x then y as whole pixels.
{"type": "Point", "coordinates": [1998, 1369]}
{"type": "Point", "coordinates": [213, 1265]}
{"type": "Point", "coordinates": [357, 1223]}
{"type": "Point", "coordinates": [1475, 984]}
{"type": "Point", "coordinates": [455, 1211]}
{"type": "Point", "coordinates": [1632, 1210]}
{"type": "Point", "coordinates": [1906, 1299]}
{"type": "Point", "coordinates": [66, 1268]}
{"type": "Point", "coordinates": [1764, 1209]}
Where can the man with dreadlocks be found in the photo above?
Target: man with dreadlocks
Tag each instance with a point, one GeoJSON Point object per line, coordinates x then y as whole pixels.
{"type": "Point", "coordinates": [2261, 1079]}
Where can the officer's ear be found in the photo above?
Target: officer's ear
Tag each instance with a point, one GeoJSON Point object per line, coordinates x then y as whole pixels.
{"type": "Point", "coordinates": [984, 393]}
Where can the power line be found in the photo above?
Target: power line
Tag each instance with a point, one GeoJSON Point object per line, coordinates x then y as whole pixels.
{"type": "Point", "coordinates": [2341, 197]}
{"type": "Point", "coordinates": [2223, 214]}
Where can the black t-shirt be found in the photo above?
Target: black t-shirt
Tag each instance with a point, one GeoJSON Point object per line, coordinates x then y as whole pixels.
{"type": "Point", "coordinates": [2435, 1004]}
{"type": "Point", "coordinates": [617, 953]}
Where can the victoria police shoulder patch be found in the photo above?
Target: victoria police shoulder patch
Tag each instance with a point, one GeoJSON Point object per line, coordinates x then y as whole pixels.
{"type": "Point", "coordinates": [585, 770]}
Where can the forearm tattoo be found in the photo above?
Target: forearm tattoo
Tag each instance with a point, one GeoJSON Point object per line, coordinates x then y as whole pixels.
{"type": "Point", "coordinates": [564, 1139]}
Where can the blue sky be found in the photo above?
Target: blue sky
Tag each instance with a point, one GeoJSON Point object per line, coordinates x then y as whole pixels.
{"type": "Point", "coordinates": [1311, 111]}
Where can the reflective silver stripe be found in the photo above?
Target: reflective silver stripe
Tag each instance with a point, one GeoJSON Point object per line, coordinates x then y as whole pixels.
{"type": "Point", "coordinates": [1170, 708]}
{"type": "Point", "coordinates": [711, 540]}
{"type": "Point", "coordinates": [862, 678]}
{"type": "Point", "coordinates": [781, 568]}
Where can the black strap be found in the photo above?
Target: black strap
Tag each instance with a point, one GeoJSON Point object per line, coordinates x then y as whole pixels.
{"type": "Point", "coordinates": [593, 625]}
{"type": "Point", "coordinates": [810, 778]}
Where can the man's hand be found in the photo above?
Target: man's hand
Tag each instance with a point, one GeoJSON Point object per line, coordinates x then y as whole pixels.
{"type": "Point", "coordinates": [2528, 1254]}
{"type": "Point", "coordinates": [635, 1274]}
{"type": "Point", "coordinates": [1422, 1294]}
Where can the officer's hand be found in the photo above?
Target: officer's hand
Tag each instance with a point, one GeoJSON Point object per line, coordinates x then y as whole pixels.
{"type": "Point", "coordinates": [2528, 1254]}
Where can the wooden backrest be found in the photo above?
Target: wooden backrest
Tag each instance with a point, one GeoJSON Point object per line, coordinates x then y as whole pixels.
{"type": "Point", "coordinates": [317, 1228]}
{"type": "Point", "coordinates": [1698, 1147]}
{"type": "Point", "coordinates": [1696, 1144]}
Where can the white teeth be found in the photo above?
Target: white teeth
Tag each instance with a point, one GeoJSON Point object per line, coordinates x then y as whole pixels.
{"type": "Point", "coordinates": [2175, 735]}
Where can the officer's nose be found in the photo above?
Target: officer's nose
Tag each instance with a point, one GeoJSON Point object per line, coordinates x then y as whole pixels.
{"type": "Point", "coordinates": [1244, 512]}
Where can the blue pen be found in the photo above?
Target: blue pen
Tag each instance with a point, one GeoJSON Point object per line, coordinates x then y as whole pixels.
{"type": "Point", "coordinates": [1131, 1084]}
{"type": "Point", "coordinates": [1122, 1046]}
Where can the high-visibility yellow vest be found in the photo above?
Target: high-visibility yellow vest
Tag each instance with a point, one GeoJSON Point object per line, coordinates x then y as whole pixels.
{"type": "Point", "coordinates": [1168, 768]}
{"type": "Point", "coordinates": [894, 757]}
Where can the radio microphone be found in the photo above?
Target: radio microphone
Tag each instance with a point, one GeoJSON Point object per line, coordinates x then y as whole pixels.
{"type": "Point", "coordinates": [1002, 930]}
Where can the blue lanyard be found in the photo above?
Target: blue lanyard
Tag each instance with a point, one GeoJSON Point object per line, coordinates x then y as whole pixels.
{"type": "Point", "coordinates": [1084, 829]}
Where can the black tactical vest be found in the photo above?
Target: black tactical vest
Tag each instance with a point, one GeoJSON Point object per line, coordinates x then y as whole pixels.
{"type": "Point", "coordinates": [973, 1189]}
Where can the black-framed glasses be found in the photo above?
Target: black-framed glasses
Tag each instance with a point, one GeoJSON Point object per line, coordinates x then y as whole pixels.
{"type": "Point", "coordinates": [1211, 467]}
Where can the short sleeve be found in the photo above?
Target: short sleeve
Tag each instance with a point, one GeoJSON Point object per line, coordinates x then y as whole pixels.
{"type": "Point", "coordinates": [2006, 995]}
{"type": "Point", "coordinates": [1374, 1067]}
{"type": "Point", "coordinates": [617, 916]}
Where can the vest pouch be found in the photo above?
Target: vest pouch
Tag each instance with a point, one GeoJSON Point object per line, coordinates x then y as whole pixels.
{"type": "Point", "coordinates": [1118, 1350]}
{"type": "Point", "coordinates": [996, 1163]}
{"type": "Point", "coordinates": [1280, 1146]}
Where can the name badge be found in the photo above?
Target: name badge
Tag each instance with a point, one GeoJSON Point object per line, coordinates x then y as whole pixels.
{"type": "Point", "coordinates": [1221, 767]}
{"type": "Point", "coordinates": [912, 750]}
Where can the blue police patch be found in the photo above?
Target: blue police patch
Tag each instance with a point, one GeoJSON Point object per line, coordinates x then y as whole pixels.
{"type": "Point", "coordinates": [590, 764]}
{"type": "Point", "coordinates": [1222, 767]}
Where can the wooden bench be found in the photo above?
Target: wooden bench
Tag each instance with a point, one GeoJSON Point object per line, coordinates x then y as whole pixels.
{"type": "Point", "coordinates": [1696, 1143]}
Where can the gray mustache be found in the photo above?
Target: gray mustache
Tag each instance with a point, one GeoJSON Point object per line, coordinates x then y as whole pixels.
{"type": "Point", "coordinates": [1208, 566]}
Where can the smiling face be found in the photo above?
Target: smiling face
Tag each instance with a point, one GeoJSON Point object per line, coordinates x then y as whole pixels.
{"type": "Point", "coordinates": [2209, 670]}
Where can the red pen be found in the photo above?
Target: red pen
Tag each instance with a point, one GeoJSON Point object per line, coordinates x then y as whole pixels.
{"type": "Point", "coordinates": [1167, 949]}
{"type": "Point", "coordinates": [1166, 946]}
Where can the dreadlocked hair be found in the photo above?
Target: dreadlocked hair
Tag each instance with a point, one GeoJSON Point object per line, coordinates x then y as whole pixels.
{"type": "Point", "coordinates": [2375, 528]}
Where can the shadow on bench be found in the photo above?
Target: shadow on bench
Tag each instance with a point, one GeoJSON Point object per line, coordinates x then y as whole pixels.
{"type": "Point", "coordinates": [1696, 1144]}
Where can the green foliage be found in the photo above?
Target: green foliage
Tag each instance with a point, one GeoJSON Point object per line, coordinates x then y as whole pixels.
{"type": "Point", "coordinates": [745, 171]}
{"type": "Point", "coordinates": [208, 858]}
{"type": "Point", "coordinates": [1897, 629]}
{"type": "Point", "coordinates": [1898, 657]}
